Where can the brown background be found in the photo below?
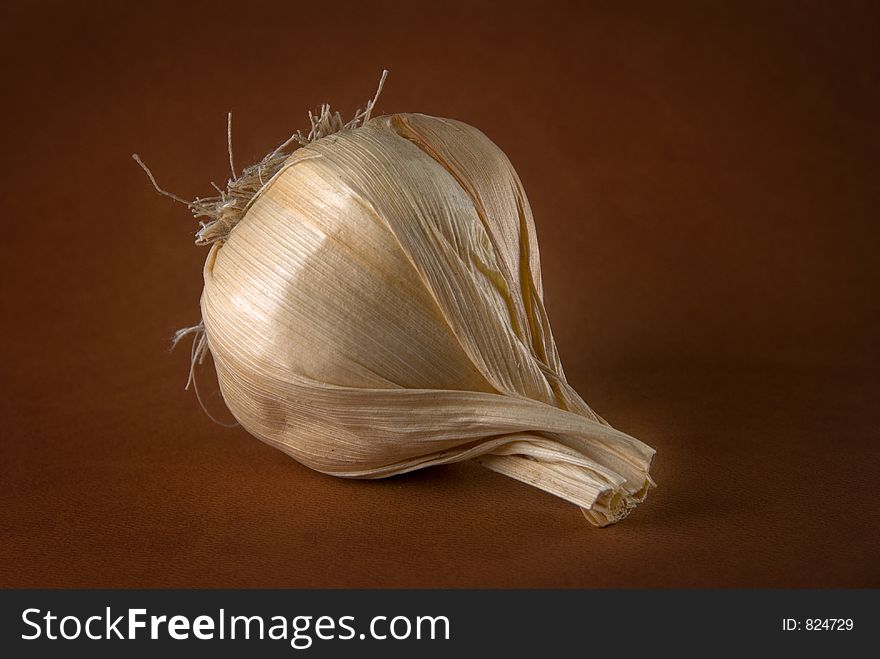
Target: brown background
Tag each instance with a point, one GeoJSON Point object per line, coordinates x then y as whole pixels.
{"type": "Point", "coordinates": [705, 181]}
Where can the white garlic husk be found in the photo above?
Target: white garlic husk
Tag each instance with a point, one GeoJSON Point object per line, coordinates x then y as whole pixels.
{"type": "Point", "coordinates": [373, 305]}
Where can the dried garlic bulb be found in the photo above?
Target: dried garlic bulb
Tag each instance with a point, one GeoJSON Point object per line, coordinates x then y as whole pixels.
{"type": "Point", "coordinates": [373, 305]}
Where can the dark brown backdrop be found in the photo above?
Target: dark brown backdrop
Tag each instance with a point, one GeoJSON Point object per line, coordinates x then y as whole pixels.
{"type": "Point", "coordinates": [705, 182]}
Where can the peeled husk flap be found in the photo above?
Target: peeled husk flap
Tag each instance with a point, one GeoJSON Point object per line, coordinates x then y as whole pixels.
{"type": "Point", "coordinates": [376, 307]}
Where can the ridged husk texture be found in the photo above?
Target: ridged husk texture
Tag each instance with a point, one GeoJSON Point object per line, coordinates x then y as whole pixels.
{"type": "Point", "coordinates": [378, 308]}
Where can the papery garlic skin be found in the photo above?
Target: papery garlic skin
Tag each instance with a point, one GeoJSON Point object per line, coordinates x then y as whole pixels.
{"type": "Point", "coordinates": [379, 309]}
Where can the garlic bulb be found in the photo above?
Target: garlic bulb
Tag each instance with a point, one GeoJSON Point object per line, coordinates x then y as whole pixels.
{"type": "Point", "coordinates": [373, 305]}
